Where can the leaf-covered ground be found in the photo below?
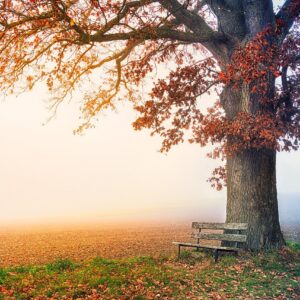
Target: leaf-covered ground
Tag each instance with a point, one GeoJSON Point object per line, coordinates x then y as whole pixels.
{"type": "Point", "coordinates": [272, 275]}
{"type": "Point", "coordinates": [43, 244]}
{"type": "Point", "coordinates": [38, 245]}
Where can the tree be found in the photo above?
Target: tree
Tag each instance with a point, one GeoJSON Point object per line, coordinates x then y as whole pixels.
{"type": "Point", "coordinates": [244, 51]}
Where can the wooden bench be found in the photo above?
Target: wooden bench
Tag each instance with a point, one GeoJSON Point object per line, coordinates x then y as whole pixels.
{"type": "Point", "coordinates": [235, 236]}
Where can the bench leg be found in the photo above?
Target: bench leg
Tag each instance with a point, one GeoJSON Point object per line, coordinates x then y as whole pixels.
{"type": "Point", "coordinates": [216, 255]}
{"type": "Point", "coordinates": [178, 251]}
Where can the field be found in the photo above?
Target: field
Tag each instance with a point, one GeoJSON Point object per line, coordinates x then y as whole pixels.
{"type": "Point", "coordinates": [37, 245]}
{"type": "Point", "coordinates": [136, 262]}
{"type": "Point", "coordinates": [44, 244]}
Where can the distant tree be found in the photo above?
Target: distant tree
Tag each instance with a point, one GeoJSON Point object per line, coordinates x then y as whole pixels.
{"type": "Point", "coordinates": [242, 50]}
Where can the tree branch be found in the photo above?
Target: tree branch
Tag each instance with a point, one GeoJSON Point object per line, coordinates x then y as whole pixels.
{"type": "Point", "coordinates": [202, 32]}
{"type": "Point", "coordinates": [213, 41]}
{"type": "Point", "coordinates": [122, 14]}
{"type": "Point", "coordinates": [163, 32]}
{"type": "Point", "coordinates": [190, 19]}
{"type": "Point", "coordinates": [286, 16]}
{"type": "Point", "coordinates": [230, 16]}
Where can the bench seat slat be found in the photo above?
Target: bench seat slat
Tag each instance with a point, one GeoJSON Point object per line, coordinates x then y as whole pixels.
{"type": "Point", "coordinates": [207, 246]}
{"type": "Point", "coordinates": [220, 237]}
{"type": "Point", "coordinates": [230, 226]}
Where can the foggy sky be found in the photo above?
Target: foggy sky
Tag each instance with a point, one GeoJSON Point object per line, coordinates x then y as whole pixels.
{"type": "Point", "coordinates": [112, 172]}
{"type": "Point", "coordinates": [47, 174]}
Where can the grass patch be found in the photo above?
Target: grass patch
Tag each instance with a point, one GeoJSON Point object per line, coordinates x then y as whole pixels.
{"type": "Point", "coordinates": [3, 274]}
{"type": "Point", "coordinates": [267, 275]}
{"type": "Point", "coordinates": [294, 246]}
{"type": "Point", "coordinates": [60, 265]}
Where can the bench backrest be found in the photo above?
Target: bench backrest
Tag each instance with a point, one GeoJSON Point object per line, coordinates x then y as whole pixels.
{"type": "Point", "coordinates": [235, 232]}
{"type": "Point", "coordinates": [219, 226]}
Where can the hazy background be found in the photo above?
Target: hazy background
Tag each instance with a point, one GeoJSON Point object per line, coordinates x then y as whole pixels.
{"type": "Point", "coordinates": [49, 175]}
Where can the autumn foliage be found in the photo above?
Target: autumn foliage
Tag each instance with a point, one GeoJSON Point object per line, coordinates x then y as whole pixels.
{"type": "Point", "coordinates": [108, 49]}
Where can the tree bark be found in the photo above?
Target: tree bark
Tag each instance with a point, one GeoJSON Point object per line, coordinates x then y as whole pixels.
{"type": "Point", "coordinates": [251, 178]}
{"type": "Point", "coordinates": [252, 197]}
{"type": "Point", "coordinates": [251, 173]}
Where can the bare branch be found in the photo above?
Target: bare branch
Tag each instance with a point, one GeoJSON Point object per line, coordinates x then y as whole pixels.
{"type": "Point", "coordinates": [163, 32]}
{"type": "Point", "coordinates": [190, 19]}
{"type": "Point", "coordinates": [122, 14]}
{"type": "Point", "coordinates": [215, 42]}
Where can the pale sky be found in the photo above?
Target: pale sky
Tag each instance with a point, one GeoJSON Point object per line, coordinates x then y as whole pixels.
{"type": "Point", "coordinates": [47, 174]}
{"type": "Point", "coordinates": [112, 172]}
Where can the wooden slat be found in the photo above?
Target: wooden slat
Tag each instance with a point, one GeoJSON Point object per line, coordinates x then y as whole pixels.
{"type": "Point", "coordinates": [221, 237]}
{"type": "Point", "coordinates": [230, 226]}
{"type": "Point", "coordinates": [206, 246]}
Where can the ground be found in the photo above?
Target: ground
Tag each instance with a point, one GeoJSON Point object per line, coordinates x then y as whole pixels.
{"type": "Point", "coordinates": [137, 262]}
{"type": "Point", "coordinates": [37, 245]}
{"type": "Point", "coordinates": [272, 275]}
{"type": "Point", "coordinates": [34, 245]}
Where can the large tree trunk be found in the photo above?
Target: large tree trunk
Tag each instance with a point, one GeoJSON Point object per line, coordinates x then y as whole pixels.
{"type": "Point", "coordinates": [251, 173]}
{"type": "Point", "coordinates": [251, 179]}
{"type": "Point", "coordinates": [252, 197]}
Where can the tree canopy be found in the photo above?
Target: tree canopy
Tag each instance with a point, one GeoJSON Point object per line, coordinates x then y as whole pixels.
{"type": "Point", "coordinates": [106, 49]}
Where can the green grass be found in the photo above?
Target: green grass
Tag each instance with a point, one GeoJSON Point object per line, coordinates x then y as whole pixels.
{"type": "Point", "coordinates": [60, 265]}
{"type": "Point", "coordinates": [293, 245]}
{"type": "Point", "coordinates": [266, 275]}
